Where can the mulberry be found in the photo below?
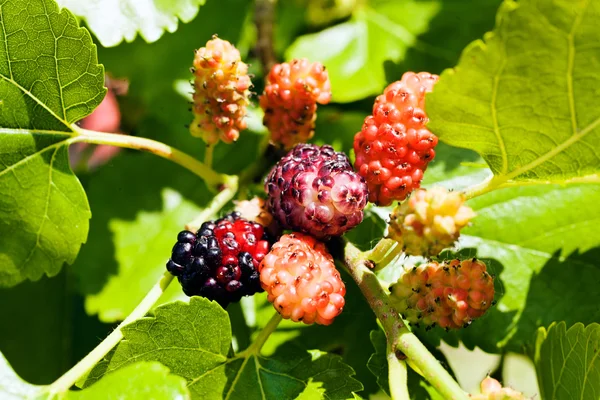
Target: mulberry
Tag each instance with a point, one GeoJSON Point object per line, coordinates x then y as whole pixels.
{"type": "Point", "coordinates": [290, 100]}
{"type": "Point", "coordinates": [429, 221]}
{"type": "Point", "coordinates": [301, 280]}
{"type": "Point", "coordinates": [393, 147]}
{"type": "Point", "coordinates": [314, 190]}
{"type": "Point", "coordinates": [221, 84]}
{"type": "Point", "coordinates": [220, 261]}
{"type": "Point", "coordinates": [450, 294]}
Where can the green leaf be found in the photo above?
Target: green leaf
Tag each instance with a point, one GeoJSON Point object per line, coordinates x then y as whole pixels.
{"type": "Point", "coordinates": [542, 245]}
{"type": "Point", "coordinates": [378, 362]}
{"type": "Point", "coordinates": [151, 18]}
{"type": "Point", "coordinates": [194, 341]}
{"type": "Point", "coordinates": [14, 388]}
{"type": "Point", "coordinates": [49, 79]}
{"type": "Point", "coordinates": [139, 381]}
{"type": "Point", "coordinates": [525, 98]}
{"type": "Point", "coordinates": [418, 35]}
{"type": "Point", "coordinates": [43, 208]}
{"type": "Point", "coordinates": [568, 362]}
{"type": "Point", "coordinates": [48, 65]}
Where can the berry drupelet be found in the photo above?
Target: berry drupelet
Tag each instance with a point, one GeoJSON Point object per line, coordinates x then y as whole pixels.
{"type": "Point", "coordinates": [220, 261]}
{"type": "Point", "coordinates": [315, 190]}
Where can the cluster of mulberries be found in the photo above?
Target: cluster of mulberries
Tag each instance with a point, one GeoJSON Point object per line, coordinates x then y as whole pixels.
{"type": "Point", "coordinates": [429, 221]}
{"type": "Point", "coordinates": [394, 147]}
{"type": "Point", "coordinates": [220, 261]}
{"type": "Point", "coordinates": [290, 100]}
{"type": "Point", "coordinates": [315, 190]}
{"type": "Point", "coordinates": [449, 294]}
{"type": "Point", "coordinates": [221, 92]}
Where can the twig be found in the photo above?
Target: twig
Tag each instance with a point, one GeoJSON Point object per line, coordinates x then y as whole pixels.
{"type": "Point", "coordinates": [264, 18]}
{"type": "Point", "coordinates": [66, 381]}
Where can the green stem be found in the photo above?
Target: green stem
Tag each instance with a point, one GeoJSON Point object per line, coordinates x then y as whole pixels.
{"type": "Point", "coordinates": [384, 252]}
{"type": "Point", "coordinates": [66, 381]}
{"type": "Point", "coordinates": [395, 328]}
{"type": "Point", "coordinates": [218, 202]}
{"type": "Point", "coordinates": [212, 178]}
{"type": "Point", "coordinates": [487, 185]}
{"type": "Point", "coordinates": [263, 335]}
{"type": "Point", "coordinates": [208, 155]}
{"type": "Point", "coordinates": [397, 375]}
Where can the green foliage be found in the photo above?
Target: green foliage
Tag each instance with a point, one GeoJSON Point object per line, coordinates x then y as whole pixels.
{"type": "Point", "coordinates": [567, 361]}
{"type": "Point", "coordinates": [525, 97]}
{"type": "Point", "coordinates": [384, 39]}
{"type": "Point", "coordinates": [128, 17]}
{"type": "Point", "coordinates": [194, 341]}
{"type": "Point", "coordinates": [139, 381]}
{"type": "Point", "coordinates": [50, 79]}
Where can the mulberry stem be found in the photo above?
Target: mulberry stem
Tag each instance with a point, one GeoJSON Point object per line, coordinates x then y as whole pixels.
{"type": "Point", "coordinates": [397, 375]}
{"type": "Point", "coordinates": [213, 179]}
{"type": "Point", "coordinates": [264, 17]}
{"type": "Point", "coordinates": [65, 382]}
{"type": "Point", "coordinates": [395, 328]}
{"type": "Point", "coordinates": [384, 252]}
{"type": "Point", "coordinates": [263, 335]}
{"type": "Point", "coordinates": [218, 202]}
{"type": "Point", "coordinates": [208, 155]}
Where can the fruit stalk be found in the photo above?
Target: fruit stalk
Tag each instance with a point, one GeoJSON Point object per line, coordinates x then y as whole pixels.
{"type": "Point", "coordinates": [218, 202]}
{"type": "Point", "coordinates": [263, 335]}
{"type": "Point", "coordinates": [397, 375]}
{"type": "Point", "coordinates": [397, 332]}
{"type": "Point", "coordinates": [66, 381]}
{"type": "Point", "coordinates": [212, 178]}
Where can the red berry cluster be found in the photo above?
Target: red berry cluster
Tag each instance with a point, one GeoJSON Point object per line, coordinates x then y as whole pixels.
{"type": "Point", "coordinates": [394, 147]}
{"type": "Point", "coordinates": [290, 100]}
{"type": "Point", "coordinates": [221, 93]}
{"type": "Point", "coordinates": [449, 294]}
{"type": "Point", "coordinates": [301, 280]}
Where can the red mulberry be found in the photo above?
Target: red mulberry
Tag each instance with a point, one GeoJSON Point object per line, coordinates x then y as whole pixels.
{"type": "Point", "coordinates": [394, 148]}
{"type": "Point", "coordinates": [290, 100]}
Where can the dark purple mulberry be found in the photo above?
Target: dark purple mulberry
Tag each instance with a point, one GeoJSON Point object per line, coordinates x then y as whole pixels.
{"type": "Point", "coordinates": [315, 190]}
{"type": "Point", "coordinates": [220, 261]}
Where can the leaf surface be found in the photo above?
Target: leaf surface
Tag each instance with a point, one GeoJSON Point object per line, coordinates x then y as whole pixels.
{"type": "Point", "coordinates": [194, 341]}
{"type": "Point", "coordinates": [568, 361]}
{"type": "Point", "coordinates": [384, 39]}
{"type": "Point", "coordinates": [525, 97]}
{"type": "Point", "coordinates": [49, 79]}
{"type": "Point", "coordinates": [139, 381]}
{"type": "Point", "coordinates": [151, 18]}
